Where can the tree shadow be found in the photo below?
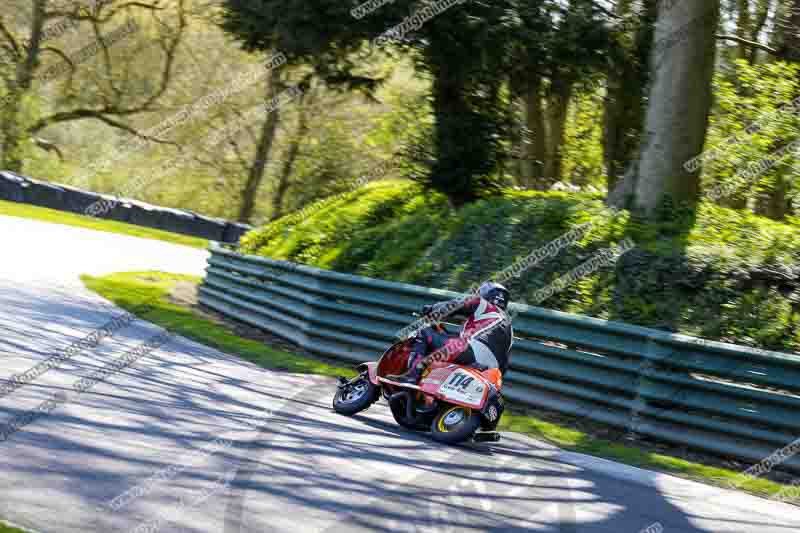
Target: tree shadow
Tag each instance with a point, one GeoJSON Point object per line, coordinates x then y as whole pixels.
{"type": "Point", "coordinates": [305, 468]}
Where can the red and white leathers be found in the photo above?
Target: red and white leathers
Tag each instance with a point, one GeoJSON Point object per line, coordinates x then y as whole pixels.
{"type": "Point", "coordinates": [486, 337]}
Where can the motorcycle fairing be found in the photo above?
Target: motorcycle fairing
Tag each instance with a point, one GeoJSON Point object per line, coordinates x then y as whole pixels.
{"type": "Point", "coordinates": [395, 359]}
{"type": "Point", "coordinates": [457, 385]}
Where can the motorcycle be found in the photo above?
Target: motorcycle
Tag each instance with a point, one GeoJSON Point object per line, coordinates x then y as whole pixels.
{"type": "Point", "coordinates": [456, 403]}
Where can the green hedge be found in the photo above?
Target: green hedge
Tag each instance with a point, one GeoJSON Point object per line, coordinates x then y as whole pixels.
{"type": "Point", "coordinates": [717, 273]}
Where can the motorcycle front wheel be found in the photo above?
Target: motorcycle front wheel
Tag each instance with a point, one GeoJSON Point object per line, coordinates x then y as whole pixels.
{"type": "Point", "coordinates": [455, 424]}
{"type": "Point", "coordinates": [356, 396]}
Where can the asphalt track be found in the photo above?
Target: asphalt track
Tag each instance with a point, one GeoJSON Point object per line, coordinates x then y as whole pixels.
{"type": "Point", "coordinates": [286, 462]}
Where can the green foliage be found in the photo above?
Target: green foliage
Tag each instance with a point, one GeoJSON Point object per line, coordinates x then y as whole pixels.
{"type": "Point", "coordinates": [408, 117]}
{"type": "Point", "coordinates": [583, 138]}
{"type": "Point", "coordinates": [322, 230]}
{"type": "Point", "coordinates": [462, 48]}
{"type": "Point", "coordinates": [752, 93]}
{"type": "Point", "coordinates": [717, 273]}
{"type": "Point", "coordinates": [321, 170]}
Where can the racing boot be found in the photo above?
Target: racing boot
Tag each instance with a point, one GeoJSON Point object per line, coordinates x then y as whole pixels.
{"type": "Point", "coordinates": [412, 376]}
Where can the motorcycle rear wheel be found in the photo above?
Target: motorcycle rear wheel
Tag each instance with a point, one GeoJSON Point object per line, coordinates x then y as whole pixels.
{"type": "Point", "coordinates": [355, 397]}
{"type": "Point", "coordinates": [454, 424]}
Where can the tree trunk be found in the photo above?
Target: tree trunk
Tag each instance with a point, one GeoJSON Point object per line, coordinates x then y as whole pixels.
{"type": "Point", "coordinates": [790, 33]}
{"type": "Point", "coordinates": [12, 131]}
{"type": "Point", "coordinates": [13, 134]}
{"type": "Point", "coordinates": [288, 163]}
{"type": "Point", "coordinates": [760, 17]}
{"type": "Point", "coordinates": [624, 103]}
{"type": "Point", "coordinates": [743, 30]}
{"type": "Point", "coordinates": [517, 130]}
{"type": "Point", "coordinates": [776, 36]}
{"type": "Point", "coordinates": [775, 204]}
{"type": "Point", "coordinates": [517, 137]}
{"type": "Point", "coordinates": [263, 149]}
{"type": "Point", "coordinates": [557, 105]}
{"type": "Point", "coordinates": [535, 145]}
{"type": "Point", "coordinates": [625, 97]}
{"type": "Point", "coordinates": [614, 127]}
{"type": "Point", "coordinates": [786, 40]}
{"type": "Point", "coordinates": [453, 170]}
{"type": "Point", "coordinates": [682, 66]}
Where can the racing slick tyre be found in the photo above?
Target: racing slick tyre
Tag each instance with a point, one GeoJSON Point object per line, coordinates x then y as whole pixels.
{"type": "Point", "coordinates": [455, 424]}
{"type": "Point", "coordinates": [355, 396]}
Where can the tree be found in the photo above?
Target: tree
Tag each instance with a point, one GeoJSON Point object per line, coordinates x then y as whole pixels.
{"type": "Point", "coordinates": [776, 203]}
{"type": "Point", "coordinates": [460, 45]}
{"type": "Point", "coordinates": [679, 102]}
{"type": "Point", "coordinates": [751, 18]}
{"type": "Point", "coordinates": [19, 82]}
{"type": "Point", "coordinates": [33, 60]}
{"type": "Point", "coordinates": [534, 139]}
{"type": "Point", "coordinates": [559, 47]}
{"type": "Point", "coordinates": [289, 160]}
{"type": "Point", "coordinates": [627, 80]}
{"type": "Point", "coordinates": [788, 31]}
{"type": "Point", "coordinates": [262, 153]}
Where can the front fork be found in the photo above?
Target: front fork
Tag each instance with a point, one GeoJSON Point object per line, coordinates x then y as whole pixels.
{"type": "Point", "coordinates": [345, 383]}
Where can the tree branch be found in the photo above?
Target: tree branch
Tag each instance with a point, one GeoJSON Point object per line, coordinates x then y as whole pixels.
{"type": "Point", "coordinates": [110, 109]}
{"type": "Point", "coordinates": [240, 156]}
{"type": "Point", "coordinates": [48, 147]}
{"type": "Point", "coordinates": [31, 60]}
{"type": "Point", "coordinates": [60, 54]}
{"type": "Point", "coordinates": [170, 51]}
{"type": "Point", "coordinates": [124, 127]}
{"type": "Point", "coordinates": [103, 115]}
{"type": "Point", "coordinates": [106, 60]}
{"type": "Point", "coordinates": [80, 12]}
{"type": "Point", "coordinates": [10, 38]}
{"type": "Point", "coordinates": [740, 40]}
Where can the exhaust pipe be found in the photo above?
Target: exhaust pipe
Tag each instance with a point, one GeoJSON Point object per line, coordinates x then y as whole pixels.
{"type": "Point", "coordinates": [399, 397]}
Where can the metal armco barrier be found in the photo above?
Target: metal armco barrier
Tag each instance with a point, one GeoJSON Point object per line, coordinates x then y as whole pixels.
{"type": "Point", "coordinates": [721, 398]}
{"type": "Point", "coordinates": [16, 188]}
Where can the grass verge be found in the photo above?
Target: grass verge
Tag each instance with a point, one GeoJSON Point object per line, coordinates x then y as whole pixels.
{"type": "Point", "coordinates": [578, 441]}
{"type": "Point", "coordinates": [135, 289]}
{"type": "Point", "coordinates": [44, 214]}
{"type": "Point", "coordinates": [8, 529]}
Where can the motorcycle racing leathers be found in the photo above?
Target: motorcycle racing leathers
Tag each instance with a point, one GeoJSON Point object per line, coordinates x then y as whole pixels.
{"type": "Point", "coordinates": [486, 337]}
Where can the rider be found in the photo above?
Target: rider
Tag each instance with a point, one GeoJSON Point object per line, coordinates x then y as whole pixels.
{"type": "Point", "coordinates": [485, 339]}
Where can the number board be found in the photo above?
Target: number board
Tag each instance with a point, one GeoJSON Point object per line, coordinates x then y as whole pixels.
{"type": "Point", "coordinates": [461, 386]}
